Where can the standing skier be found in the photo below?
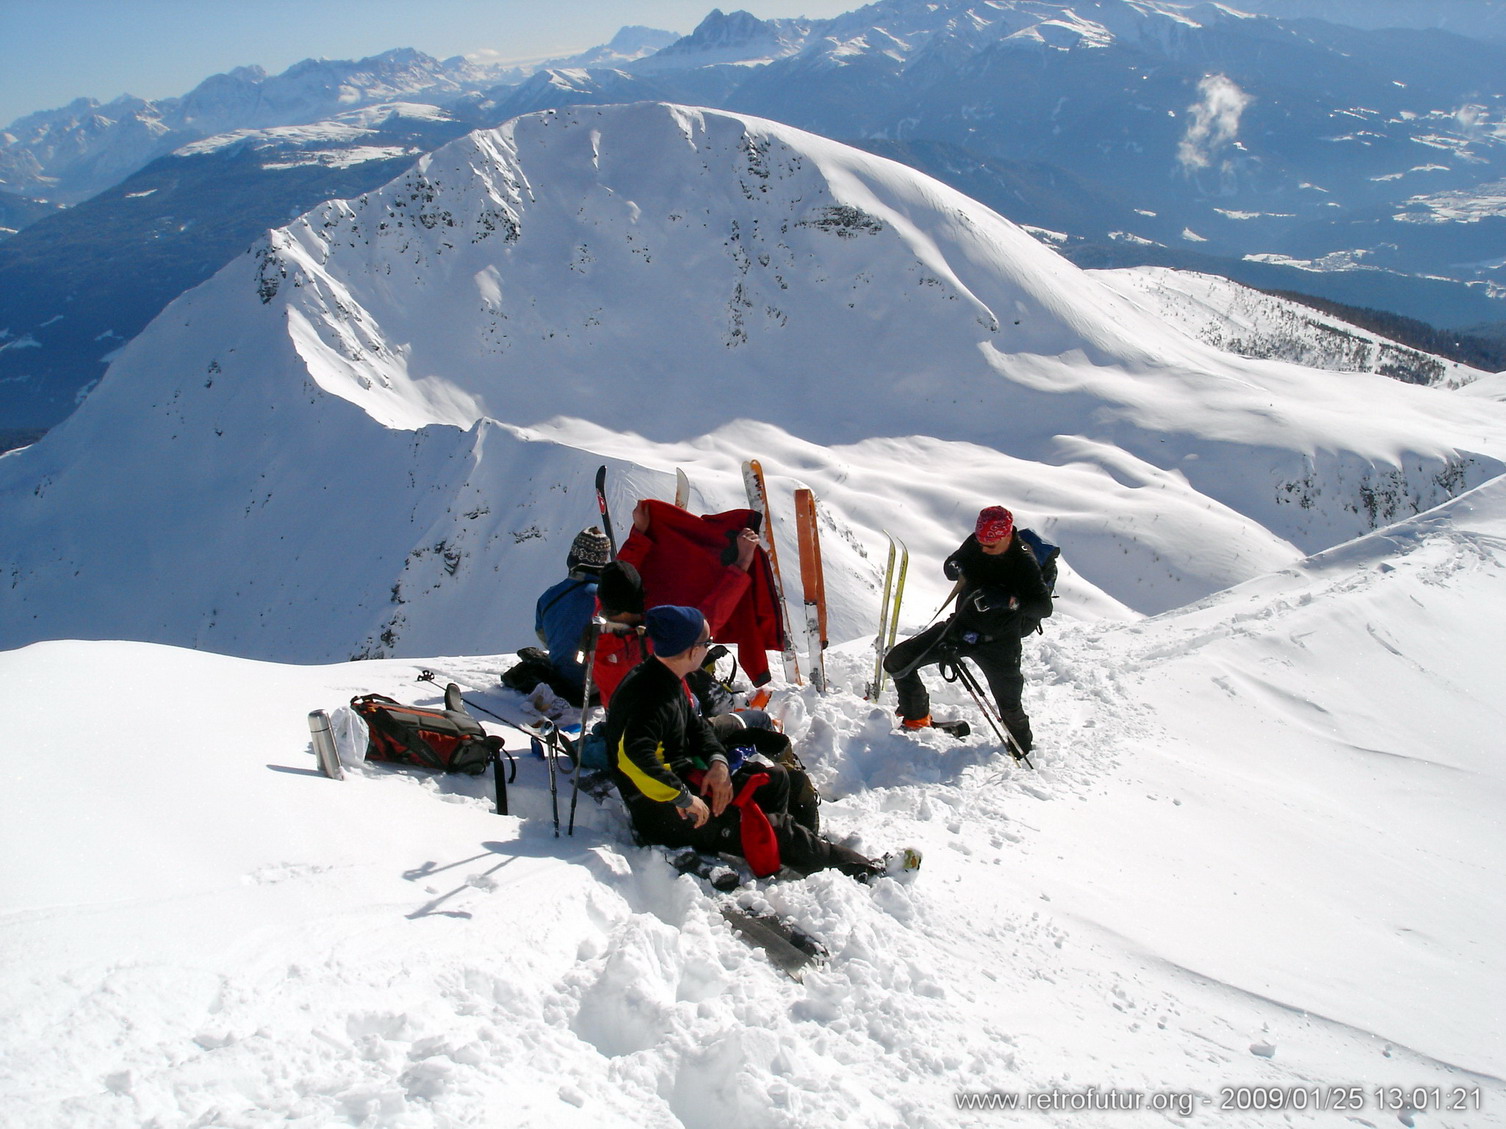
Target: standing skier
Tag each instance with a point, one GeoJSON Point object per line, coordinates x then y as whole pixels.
{"type": "Point", "coordinates": [999, 586]}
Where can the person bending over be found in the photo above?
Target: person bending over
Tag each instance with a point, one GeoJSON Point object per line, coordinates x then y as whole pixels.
{"type": "Point", "coordinates": [1000, 588]}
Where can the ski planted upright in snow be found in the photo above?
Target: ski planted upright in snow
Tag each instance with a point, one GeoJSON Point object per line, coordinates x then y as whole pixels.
{"type": "Point", "coordinates": [682, 490]}
{"type": "Point", "coordinates": [758, 500]}
{"type": "Point", "coordinates": [813, 581]}
{"type": "Point", "coordinates": [888, 625]}
{"type": "Point", "coordinates": [601, 504]}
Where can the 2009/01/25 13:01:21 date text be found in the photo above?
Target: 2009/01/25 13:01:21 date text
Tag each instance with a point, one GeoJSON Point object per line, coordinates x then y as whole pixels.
{"type": "Point", "coordinates": [1355, 1098]}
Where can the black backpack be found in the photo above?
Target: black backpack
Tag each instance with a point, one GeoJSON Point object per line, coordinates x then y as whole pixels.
{"type": "Point", "coordinates": [438, 739]}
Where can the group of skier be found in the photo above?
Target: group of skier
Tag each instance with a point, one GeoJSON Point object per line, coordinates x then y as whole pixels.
{"type": "Point", "coordinates": [699, 765]}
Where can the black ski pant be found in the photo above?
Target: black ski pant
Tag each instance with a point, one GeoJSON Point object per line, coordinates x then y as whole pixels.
{"type": "Point", "coordinates": [998, 659]}
{"type": "Point", "coordinates": [800, 848]}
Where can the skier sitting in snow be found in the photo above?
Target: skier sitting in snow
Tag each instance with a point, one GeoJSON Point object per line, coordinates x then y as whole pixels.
{"type": "Point", "coordinates": [999, 586]}
{"type": "Point", "coordinates": [675, 776]}
{"type": "Point", "coordinates": [561, 617]}
{"type": "Point", "coordinates": [625, 644]}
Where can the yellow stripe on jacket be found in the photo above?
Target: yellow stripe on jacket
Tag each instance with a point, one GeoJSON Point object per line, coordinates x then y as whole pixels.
{"type": "Point", "coordinates": [652, 787]}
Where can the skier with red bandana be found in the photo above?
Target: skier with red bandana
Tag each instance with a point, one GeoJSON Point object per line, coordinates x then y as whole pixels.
{"type": "Point", "coordinates": [1000, 590]}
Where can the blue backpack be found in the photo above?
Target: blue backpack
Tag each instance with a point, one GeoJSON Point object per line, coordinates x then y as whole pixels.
{"type": "Point", "coordinates": [1045, 555]}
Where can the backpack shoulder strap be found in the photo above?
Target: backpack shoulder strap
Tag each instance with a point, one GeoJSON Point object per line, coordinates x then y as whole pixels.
{"type": "Point", "coordinates": [1040, 548]}
{"type": "Point", "coordinates": [558, 596]}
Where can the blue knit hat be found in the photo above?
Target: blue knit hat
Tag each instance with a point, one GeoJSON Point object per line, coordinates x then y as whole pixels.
{"type": "Point", "coordinates": [673, 629]}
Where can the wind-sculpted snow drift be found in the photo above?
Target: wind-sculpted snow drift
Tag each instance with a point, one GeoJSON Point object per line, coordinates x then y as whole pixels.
{"type": "Point", "coordinates": [374, 432]}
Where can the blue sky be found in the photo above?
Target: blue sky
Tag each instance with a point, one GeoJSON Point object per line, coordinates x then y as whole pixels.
{"type": "Point", "coordinates": [53, 51]}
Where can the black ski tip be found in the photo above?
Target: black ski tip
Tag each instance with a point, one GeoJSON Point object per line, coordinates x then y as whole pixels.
{"type": "Point", "coordinates": [789, 949]}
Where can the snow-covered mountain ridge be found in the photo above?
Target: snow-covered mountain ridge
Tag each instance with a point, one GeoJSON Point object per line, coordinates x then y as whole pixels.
{"type": "Point", "coordinates": [393, 407]}
{"type": "Point", "coordinates": [1306, 157]}
{"type": "Point", "coordinates": [1228, 134]}
{"type": "Point", "coordinates": [85, 147]}
{"type": "Point", "coordinates": [1240, 320]}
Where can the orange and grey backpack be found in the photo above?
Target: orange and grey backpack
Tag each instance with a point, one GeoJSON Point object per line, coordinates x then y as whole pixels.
{"type": "Point", "coordinates": [439, 739]}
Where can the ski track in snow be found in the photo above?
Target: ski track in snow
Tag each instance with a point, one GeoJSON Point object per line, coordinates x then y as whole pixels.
{"type": "Point", "coordinates": [206, 932]}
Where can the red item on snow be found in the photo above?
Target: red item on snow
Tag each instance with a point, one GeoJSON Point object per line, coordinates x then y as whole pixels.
{"type": "Point", "coordinates": [760, 844]}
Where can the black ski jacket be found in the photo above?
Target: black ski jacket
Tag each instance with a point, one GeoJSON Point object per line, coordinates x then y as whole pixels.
{"type": "Point", "coordinates": [1013, 573]}
{"type": "Point", "coordinates": [655, 735]}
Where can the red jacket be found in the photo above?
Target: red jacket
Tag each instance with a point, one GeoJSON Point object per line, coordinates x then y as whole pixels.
{"type": "Point", "coordinates": [680, 560]}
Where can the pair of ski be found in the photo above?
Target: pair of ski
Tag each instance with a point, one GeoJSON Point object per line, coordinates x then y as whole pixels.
{"type": "Point", "coordinates": [682, 501]}
{"type": "Point", "coordinates": [812, 578]}
{"type": "Point", "coordinates": [888, 625]}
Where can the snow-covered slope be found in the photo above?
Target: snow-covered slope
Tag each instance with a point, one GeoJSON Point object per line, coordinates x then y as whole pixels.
{"type": "Point", "coordinates": [1255, 324]}
{"type": "Point", "coordinates": [369, 435]}
{"type": "Point", "coordinates": [78, 286]}
{"type": "Point", "coordinates": [1261, 847]}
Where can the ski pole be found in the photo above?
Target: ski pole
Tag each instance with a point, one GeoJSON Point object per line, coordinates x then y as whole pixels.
{"type": "Point", "coordinates": [963, 673]}
{"type": "Point", "coordinates": [585, 711]}
{"type": "Point", "coordinates": [538, 750]}
{"type": "Point", "coordinates": [543, 729]}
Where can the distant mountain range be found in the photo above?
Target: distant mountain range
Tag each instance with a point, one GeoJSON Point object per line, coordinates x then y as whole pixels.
{"type": "Point", "coordinates": [1479, 19]}
{"type": "Point", "coordinates": [1362, 166]}
{"type": "Point", "coordinates": [68, 155]}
